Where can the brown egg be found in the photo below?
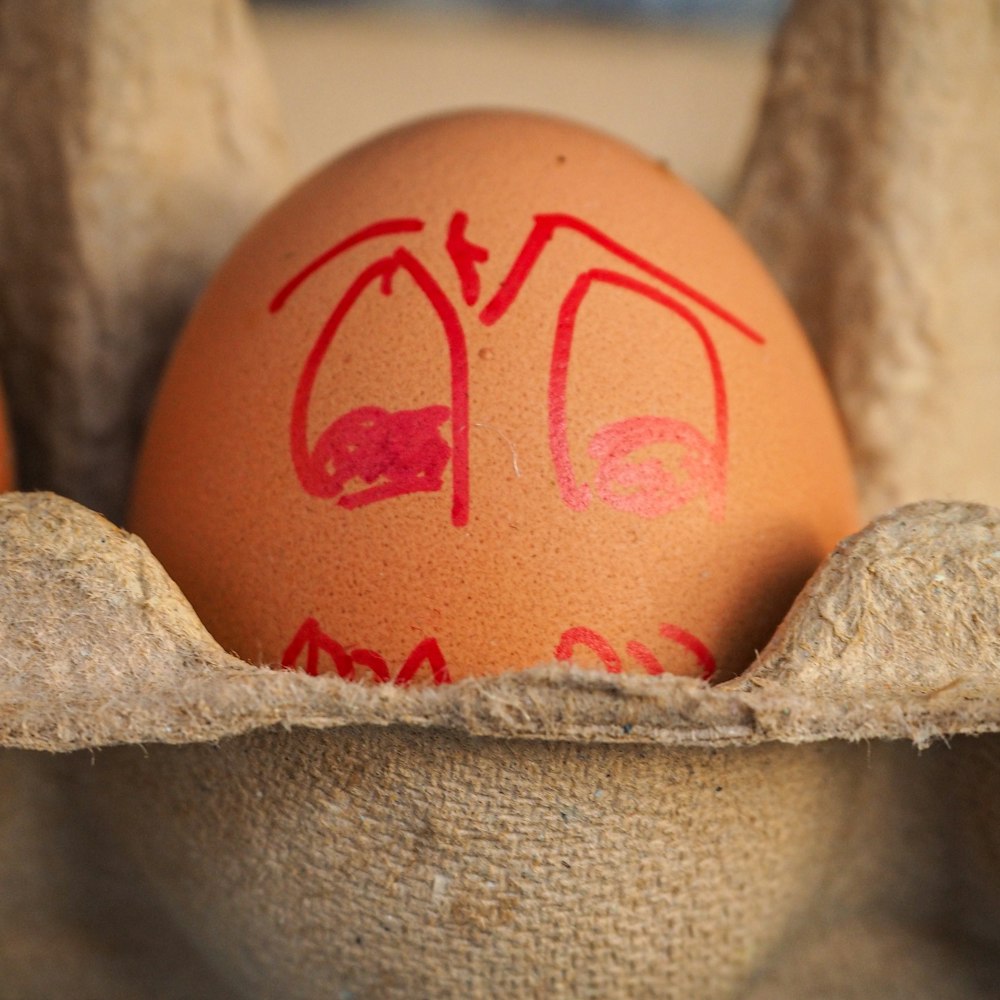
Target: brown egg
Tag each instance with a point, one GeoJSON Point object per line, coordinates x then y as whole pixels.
{"type": "Point", "coordinates": [489, 391]}
{"type": "Point", "coordinates": [7, 463]}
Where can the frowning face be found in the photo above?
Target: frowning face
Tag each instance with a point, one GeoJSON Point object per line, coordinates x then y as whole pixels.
{"type": "Point", "coordinates": [493, 431]}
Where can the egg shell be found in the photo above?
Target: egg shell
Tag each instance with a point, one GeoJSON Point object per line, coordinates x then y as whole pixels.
{"type": "Point", "coordinates": [487, 391]}
{"type": "Point", "coordinates": [8, 464]}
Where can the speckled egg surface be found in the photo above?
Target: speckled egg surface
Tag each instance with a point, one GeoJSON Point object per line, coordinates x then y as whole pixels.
{"type": "Point", "coordinates": [8, 465]}
{"type": "Point", "coordinates": [489, 391]}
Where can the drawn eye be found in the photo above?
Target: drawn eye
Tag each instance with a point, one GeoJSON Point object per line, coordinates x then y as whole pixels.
{"type": "Point", "coordinates": [673, 450]}
{"type": "Point", "coordinates": [371, 423]}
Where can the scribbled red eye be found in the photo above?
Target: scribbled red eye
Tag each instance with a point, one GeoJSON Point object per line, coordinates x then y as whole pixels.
{"type": "Point", "coordinates": [624, 479]}
{"type": "Point", "coordinates": [631, 473]}
{"type": "Point", "coordinates": [367, 453]}
{"type": "Point", "coordinates": [371, 454]}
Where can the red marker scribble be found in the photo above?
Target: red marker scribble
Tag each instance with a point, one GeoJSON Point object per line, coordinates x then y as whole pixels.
{"type": "Point", "coordinates": [640, 652]}
{"type": "Point", "coordinates": [580, 636]}
{"type": "Point", "coordinates": [645, 657]}
{"type": "Point", "coordinates": [693, 644]}
{"type": "Point", "coordinates": [376, 663]}
{"type": "Point", "coordinates": [370, 442]}
{"type": "Point", "coordinates": [426, 651]}
{"type": "Point", "coordinates": [401, 452]}
{"type": "Point", "coordinates": [311, 638]}
{"type": "Point", "coordinates": [466, 257]}
{"type": "Point", "coordinates": [646, 488]}
{"type": "Point", "coordinates": [388, 227]}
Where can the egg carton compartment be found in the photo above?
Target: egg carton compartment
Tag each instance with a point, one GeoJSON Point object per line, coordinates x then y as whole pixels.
{"type": "Point", "coordinates": [556, 831]}
{"type": "Point", "coordinates": [177, 823]}
{"type": "Point", "coordinates": [882, 643]}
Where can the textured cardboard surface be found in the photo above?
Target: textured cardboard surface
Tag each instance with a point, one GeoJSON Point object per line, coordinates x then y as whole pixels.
{"type": "Point", "coordinates": [882, 643]}
{"type": "Point", "coordinates": [871, 191]}
{"type": "Point", "coordinates": [402, 862]}
{"type": "Point", "coordinates": [138, 142]}
{"type": "Point", "coordinates": [75, 919]}
{"type": "Point", "coordinates": [861, 888]}
{"type": "Point", "coordinates": [552, 832]}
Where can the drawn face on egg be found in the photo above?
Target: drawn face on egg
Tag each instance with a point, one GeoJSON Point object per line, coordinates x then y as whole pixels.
{"type": "Point", "coordinates": [371, 453]}
{"type": "Point", "coordinates": [489, 446]}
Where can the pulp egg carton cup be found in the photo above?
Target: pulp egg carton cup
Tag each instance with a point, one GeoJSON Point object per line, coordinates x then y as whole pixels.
{"type": "Point", "coordinates": [177, 823]}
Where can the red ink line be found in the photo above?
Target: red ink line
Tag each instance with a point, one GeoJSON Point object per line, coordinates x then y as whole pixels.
{"type": "Point", "coordinates": [657, 491]}
{"type": "Point", "coordinates": [387, 227]}
{"type": "Point", "coordinates": [466, 257]}
{"type": "Point", "coordinates": [312, 476]}
{"type": "Point", "coordinates": [545, 228]}
{"type": "Point", "coordinates": [691, 642]}
{"type": "Point", "coordinates": [371, 445]}
{"type": "Point", "coordinates": [459, 359]}
{"type": "Point", "coordinates": [578, 635]}
{"type": "Point", "coordinates": [524, 263]}
{"type": "Point", "coordinates": [575, 496]}
{"type": "Point", "coordinates": [311, 638]}
{"type": "Point", "coordinates": [640, 652]}
{"type": "Point", "coordinates": [426, 651]}
{"type": "Point", "coordinates": [645, 657]}
{"type": "Point", "coordinates": [314, 640]}
{"type": "Point", "coordinates": [369, 658]}
{"type": "Point", "coordinates": [311, 464]}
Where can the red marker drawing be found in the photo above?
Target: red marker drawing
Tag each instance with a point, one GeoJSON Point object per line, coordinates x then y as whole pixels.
{"type": "Point", "coordinates": [311, 639]}
{"type": "Point", "coordinates": [466, 257]}
{"type": "Point", "coordinates": [580, 636]}
{"type": "Point", "coordinates": [315, 643]}
{"type": "Point", "coordinates": [394, 453]}
{"type": "Point", "coordinates": [646, 488]}
{"type": "Point", "coordinates": [641, 653]}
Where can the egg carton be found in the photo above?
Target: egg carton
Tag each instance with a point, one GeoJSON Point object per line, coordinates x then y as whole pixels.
{"type": "Point", "coordinates": [177, 823]}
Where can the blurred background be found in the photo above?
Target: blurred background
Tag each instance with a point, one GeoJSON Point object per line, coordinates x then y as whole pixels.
{"type": "Point", "coordinates": [680, 79]}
